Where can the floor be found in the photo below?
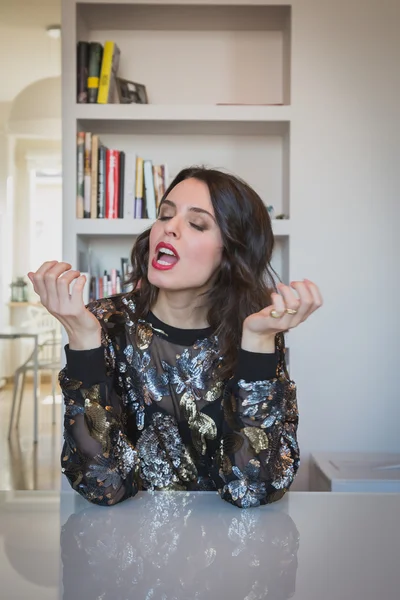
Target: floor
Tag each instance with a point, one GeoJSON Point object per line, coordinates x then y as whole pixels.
{"type": "Point", "coordinates": [23, 464]}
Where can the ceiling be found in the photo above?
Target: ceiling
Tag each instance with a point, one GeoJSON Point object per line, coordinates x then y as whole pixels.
{"type": "Point", "coordinates": [31, 54]}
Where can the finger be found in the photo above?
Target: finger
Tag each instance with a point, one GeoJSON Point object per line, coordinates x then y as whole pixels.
{"type": "Point", "coordinates": [316, 294]}
{"type": "Point", "coordinates": [42, 269]}
{"type": "Point", "coordinates": [77, 294]}
{"type": "Point", "coordinates": [306, 299]}
{"type": "Point", "coordinates": [63, 286]}
{"type": "Point", "coordinates": [278, 305]}
{"type": "Point", "coordinates": [289, 297]}
{"type": "Point", "coordinates": [38, 282]}
{"type": "Point", "coordinates": [50, 281]}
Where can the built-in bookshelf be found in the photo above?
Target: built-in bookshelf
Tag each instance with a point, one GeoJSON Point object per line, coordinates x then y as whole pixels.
{"type": "Point", "coordinates": [217, 75]}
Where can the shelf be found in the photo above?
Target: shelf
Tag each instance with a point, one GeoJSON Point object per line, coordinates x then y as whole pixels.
{"type": "Point", "coordinates": [125, 227]}
{"type": "Point", "coordinates": [183, 15]}
{"type": "Point", "coordinates": [132, 227]}
{"type": "Point", "coordinates": [189, 119]}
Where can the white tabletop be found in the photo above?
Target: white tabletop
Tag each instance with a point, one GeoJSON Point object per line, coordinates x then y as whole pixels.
{"type": "Point", "coordinates": [177, 545]}
{"type": "Point", "coordinates": [355, 466]}
{"type": "Point", "coordinates": [13, 331]}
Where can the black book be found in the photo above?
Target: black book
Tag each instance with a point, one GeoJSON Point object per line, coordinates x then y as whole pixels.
{"type": "Point", "coordinates": [95, 57]}
{"type": "Point", "coordinates": [121, 185]}
{"type": "Point", "coordinates": [82, 72]}
{"type": "Point", "coordinates": [101, 184]}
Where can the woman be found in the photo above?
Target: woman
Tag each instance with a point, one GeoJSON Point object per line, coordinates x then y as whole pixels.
{"type": "Point", "coordinates": [182, 384]}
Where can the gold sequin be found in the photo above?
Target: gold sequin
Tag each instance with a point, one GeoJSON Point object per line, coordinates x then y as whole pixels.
{"type": "Point", "coordinates": [144, 335]}
{"type": "Point", "coordinates": [96, 420]}
{"type": "Point", "coordinates": [257, 438]}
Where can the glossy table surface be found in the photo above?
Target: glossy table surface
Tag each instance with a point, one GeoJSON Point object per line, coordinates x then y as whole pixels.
{"type": "Point", "coordinates": [178, 545]}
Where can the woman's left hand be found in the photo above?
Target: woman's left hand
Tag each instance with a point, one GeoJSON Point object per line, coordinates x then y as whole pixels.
{"type": "Point", "coordinates": [264, 325]}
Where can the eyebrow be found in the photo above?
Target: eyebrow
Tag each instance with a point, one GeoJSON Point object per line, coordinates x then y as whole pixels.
{"type": "Point", "coordinates": [191, 208]}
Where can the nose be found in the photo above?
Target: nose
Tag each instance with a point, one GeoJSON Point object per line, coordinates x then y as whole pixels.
{"type": "Point", "coordinates": [172, 227]}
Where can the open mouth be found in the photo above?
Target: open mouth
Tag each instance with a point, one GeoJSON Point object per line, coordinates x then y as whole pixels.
{"type": "Point", "coordinates": [166, 256]}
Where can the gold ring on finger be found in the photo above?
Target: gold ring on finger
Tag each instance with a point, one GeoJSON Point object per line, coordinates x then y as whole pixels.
{"type": "Point", "coordinates": [291, 311]}
{"type": "Point", "coordinates": [276, 315]}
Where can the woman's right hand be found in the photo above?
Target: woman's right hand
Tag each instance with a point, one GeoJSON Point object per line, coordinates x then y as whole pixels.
{"type": "Point", "coordinates": [51, 282]}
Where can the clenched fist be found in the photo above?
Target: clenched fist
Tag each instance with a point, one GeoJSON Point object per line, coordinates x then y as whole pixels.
{"type": "Point", "coordinates": [51, 282]}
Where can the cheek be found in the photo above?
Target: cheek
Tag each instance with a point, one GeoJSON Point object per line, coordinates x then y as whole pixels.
{"type": "Point", "coordinates": [206, 254]}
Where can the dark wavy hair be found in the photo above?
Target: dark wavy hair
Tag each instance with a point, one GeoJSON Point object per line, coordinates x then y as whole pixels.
{"type": "Point", "coordinates": [244, 282]}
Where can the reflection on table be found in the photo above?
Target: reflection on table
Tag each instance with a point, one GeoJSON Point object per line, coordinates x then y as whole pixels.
{"type": "Point", "coordinates": [179, 545]}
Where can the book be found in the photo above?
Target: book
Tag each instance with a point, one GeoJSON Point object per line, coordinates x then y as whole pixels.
{"type": "Point", "coordinates": [109, 69]}
{"type": "Point", "coordinates": [88, 176]}
{"type": "Point", "coordinates": [121, 185]}
{"type": "Point", "coordinates": [82, 72]}
{"type": "Point", "coordinates": [94, 176]}
{"type": "Point", "coordinates": [129, 185]}
{"type": "Point", "coordinates": [149, 187]}
{"type": "Point", "coordinates": [80, 170]}
{"type": "Point", "coordinates": [112, 179]}
{"type": "Point", "coordinates": [160, 187]}
{"type": "Point", "coordinates": [139, 189]}
{"type": "Point", "coordinates": [102, 183]}
{"type": "Point", "coordinates": [95, 59]}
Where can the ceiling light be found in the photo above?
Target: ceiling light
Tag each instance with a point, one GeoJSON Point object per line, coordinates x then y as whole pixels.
{"type": "Point", "coordinates": [54, 31]}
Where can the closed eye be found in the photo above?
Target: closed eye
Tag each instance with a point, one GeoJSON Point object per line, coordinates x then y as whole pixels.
{"type": "Point", "coordinates": [198, 227]}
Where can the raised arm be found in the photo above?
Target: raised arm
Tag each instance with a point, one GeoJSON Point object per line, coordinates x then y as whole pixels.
{"type": "Point", "coordinates": [97, 458]}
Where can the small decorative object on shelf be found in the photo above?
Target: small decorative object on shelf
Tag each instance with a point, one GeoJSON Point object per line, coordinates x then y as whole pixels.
{"type": "Point", "coordinates": [130, 92]}
{"type": "Point", "coordinates": [271, 211]}
{"type": "Point", "coordinates": [281, 217]}
{"type": "Point", "coordinates": [19, 290]}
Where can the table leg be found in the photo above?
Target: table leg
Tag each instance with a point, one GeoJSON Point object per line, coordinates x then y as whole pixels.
{"type": "Point", "coordinates": [35, 394]}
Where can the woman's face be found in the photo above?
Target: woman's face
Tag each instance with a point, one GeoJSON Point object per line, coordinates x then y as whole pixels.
{"type": "Point", "coordinates": [185, 241]}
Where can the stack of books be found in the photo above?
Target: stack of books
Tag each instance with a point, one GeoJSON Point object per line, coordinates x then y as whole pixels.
{"type": "Point", "coordinates": [112, 184]}
{"type": "Point", "coordinates": [97, 68]}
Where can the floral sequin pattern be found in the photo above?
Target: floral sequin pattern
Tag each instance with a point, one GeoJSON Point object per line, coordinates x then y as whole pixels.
{"type": "Point", "coordinates": [246, 489]}
{"type": "Point", "coordinates": [192, 377]}
{"type": "Point", "coordinates": [165, 462]}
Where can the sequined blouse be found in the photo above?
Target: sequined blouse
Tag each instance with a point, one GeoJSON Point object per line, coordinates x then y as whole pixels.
{"type": "Point", "coordinates": [148, 410]}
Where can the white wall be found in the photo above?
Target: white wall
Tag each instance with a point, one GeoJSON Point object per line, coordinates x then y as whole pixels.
{"type": "Point", "coordinates": [31, 53]}
{"type": "Point", "coordinates": [345, 209]}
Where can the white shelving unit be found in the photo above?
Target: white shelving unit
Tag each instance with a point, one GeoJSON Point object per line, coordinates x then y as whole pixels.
{"type": "Point", "coordinates": [217, 76]}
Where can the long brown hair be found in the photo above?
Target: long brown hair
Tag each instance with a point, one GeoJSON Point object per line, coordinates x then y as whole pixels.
{"type": "Point", "coordinates": [244, 281]}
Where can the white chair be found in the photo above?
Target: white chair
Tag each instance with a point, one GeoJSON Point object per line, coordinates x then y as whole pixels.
{"type": "Point", "coordinates": [49, 359]}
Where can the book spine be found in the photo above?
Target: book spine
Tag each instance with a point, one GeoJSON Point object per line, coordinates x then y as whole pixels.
{"type": "Point", "coordinates": [139, 188]}
{"type": "Point", "coordinates": [149, 186]}
{"type": "Point", "coordinates": [101, 192]}
{"type": "Point", "coordinates": [121, 185]}
{"type": "Point", "coordinates": [113, 281]}
{"type": "Point", "coordinates": [82, 72]}
{"type": "Point", "coordinates": [95, 57]}
{"type": "Point", "coordinates": [94, 176]}
{"type": "Point", "coordinates": [109, 68]}
{"type": "Point", "coordinates": [138, 208]}
{"type": "Point", "coordinates": [129, 185]}
{"type": "Point", "coordinates": [88, 176]}
{"type": "Point", "coordinates": [112, 177]}
{"type": "Point", "coordinates": [80, 173]}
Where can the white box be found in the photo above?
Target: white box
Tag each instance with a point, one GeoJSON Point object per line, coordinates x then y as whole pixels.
{"type": "Point", "coordinates": [354, 472]}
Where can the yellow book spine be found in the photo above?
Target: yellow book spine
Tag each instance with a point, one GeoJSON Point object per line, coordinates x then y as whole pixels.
{"type": "Point", "coordinates": [139, 177]}
{"type": "Point", "coordinates": [105, 74]}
